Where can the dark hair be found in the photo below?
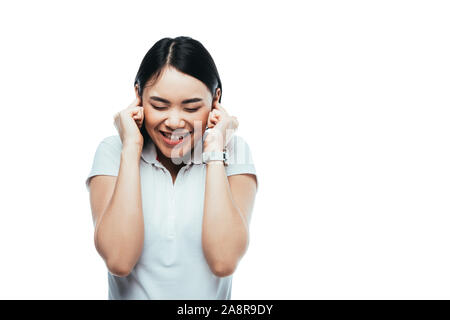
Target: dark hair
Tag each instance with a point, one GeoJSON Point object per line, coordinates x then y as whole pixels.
{"type": "Point", "coordinates": [186, 55]}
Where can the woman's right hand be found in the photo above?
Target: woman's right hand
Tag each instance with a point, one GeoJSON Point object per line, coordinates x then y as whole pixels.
{"type": "Point", "coordinates": [128, 122]}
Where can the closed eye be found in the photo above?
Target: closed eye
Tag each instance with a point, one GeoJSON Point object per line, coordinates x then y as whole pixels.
{"type": "Point", "coordinates": [192, 110]}
{"type": "Point", "coordinates": [158, 108]}
{"type": "Point", "coordinates": [187, 109]}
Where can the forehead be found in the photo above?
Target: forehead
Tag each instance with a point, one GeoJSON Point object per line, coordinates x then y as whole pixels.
{"type": "Point", "coordinates": [177, 86]}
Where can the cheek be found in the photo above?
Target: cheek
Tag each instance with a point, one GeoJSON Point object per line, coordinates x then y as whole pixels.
{"type": "Point", "coordinates": [204, 116]}
{"type": "Point", "coordinates": [200, 118]}
{"type": "Point", "coordinates": [150, 118]}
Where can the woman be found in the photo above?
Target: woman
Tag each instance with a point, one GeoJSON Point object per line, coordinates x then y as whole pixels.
{"type": "Point", "coordinates": [171, 220]}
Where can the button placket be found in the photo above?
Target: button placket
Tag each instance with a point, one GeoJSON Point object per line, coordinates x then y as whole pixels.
{"type": "Point", "coordinates": [172, 214]}
{"type": "Point", "coordinates": [171, 217]}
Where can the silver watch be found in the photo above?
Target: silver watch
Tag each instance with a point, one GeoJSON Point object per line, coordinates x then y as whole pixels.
{"type": "Point", "coordinates": [215, 155]}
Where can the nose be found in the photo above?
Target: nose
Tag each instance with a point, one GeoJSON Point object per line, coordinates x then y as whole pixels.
{"type": "Point", "coordinates": [174, 121]}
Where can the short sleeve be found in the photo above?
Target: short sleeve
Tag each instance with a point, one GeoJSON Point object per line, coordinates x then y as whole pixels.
{"type": "Point", "coordinates": [106, 158]}
{"type": "Point", "coordinates": [240, 158]}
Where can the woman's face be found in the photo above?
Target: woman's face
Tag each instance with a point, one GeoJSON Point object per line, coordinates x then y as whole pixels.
{"type": "Point", "coordinates": [176, 103]}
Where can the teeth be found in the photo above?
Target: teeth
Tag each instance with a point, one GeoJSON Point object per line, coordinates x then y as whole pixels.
{"type": "Point", "coordinates": [174, 137]}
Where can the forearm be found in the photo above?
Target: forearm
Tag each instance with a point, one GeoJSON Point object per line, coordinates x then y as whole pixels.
{"type": "Point", "coordinates": [225, 232]}
{"type": "Point", "coordinates": [119, 235]}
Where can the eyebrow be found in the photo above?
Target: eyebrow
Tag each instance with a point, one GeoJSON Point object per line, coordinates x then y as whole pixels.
{"type": "Point", "coordinates": [182, 102]}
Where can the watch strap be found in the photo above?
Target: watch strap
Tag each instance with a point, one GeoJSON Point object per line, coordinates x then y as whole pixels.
{"type": "Point", "coordinates": [208, 156]}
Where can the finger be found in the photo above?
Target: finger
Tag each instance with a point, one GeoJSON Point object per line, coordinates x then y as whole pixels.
{"type": "Point", "coordinates": [140, 116]}
{"type": "Point", "coordinates": [210, 123]}
{"type": "Point", "coordinates": [216, 106]}
{"type": "Point", "coordinates": [215, 115]}
{"type": "Point", "coordinates": [217, 118]}
{"type": "Point", "coordinates": [136, 113]}
{"type": "Point", "coordinates": [133, 111]}
{"type": "Point", "coordinates": [137, 118]}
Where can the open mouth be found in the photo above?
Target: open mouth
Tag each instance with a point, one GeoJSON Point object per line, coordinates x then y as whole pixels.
{"type": "Point", "coordinates": [174, 137]}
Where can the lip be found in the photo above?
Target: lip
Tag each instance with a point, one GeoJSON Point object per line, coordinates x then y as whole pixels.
{"type": "Point", "coordinates": [169, 141]}
{"type": "Point", "coordinates": [179, 133]}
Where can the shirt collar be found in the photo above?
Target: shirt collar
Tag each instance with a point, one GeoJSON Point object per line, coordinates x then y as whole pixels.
{"type": "Point", "coordinates": [149, 154]}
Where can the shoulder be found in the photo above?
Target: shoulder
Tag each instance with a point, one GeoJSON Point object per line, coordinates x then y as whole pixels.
{"type": "Point", "coordinates": [107, 158]}
{"type": "Point", "coordinates": [109, 147]}
{"type": "Point", "coordinates": [237, 138]}
{"type": "Point", "coordinates": [239, 148]}
{"type": "Point", "coordinates": [237, 141]}
{"type": "Point", "coordinates": [113, 141]}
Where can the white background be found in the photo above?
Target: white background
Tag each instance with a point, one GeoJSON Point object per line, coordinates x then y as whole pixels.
{"type": "Point", "coordinates": [345, 105]}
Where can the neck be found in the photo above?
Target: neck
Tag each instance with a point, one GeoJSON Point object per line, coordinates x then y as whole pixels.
{"type": "Point", "coordinates": [167, 162]}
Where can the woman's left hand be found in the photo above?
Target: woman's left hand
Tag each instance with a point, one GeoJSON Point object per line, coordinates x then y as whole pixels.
{"type": "Point", "coordinates": [221, 129]}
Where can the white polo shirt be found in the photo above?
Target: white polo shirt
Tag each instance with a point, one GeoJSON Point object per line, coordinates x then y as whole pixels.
{"type": "Point", "coordinates": [172, 264]}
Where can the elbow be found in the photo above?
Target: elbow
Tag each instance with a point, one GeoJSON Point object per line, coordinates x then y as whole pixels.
{"type": "Point", "coordinates": [223, 269]}
{"type": "Point", "coordinates": [115, 266]}
{"type": "Point", "coordinates": [119, 269]}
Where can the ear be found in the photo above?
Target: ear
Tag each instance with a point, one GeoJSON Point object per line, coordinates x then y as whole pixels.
{"type": "Point", "coordinates": [216, 97]}
{"type": "Point", "coordinates": [136, 91]}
